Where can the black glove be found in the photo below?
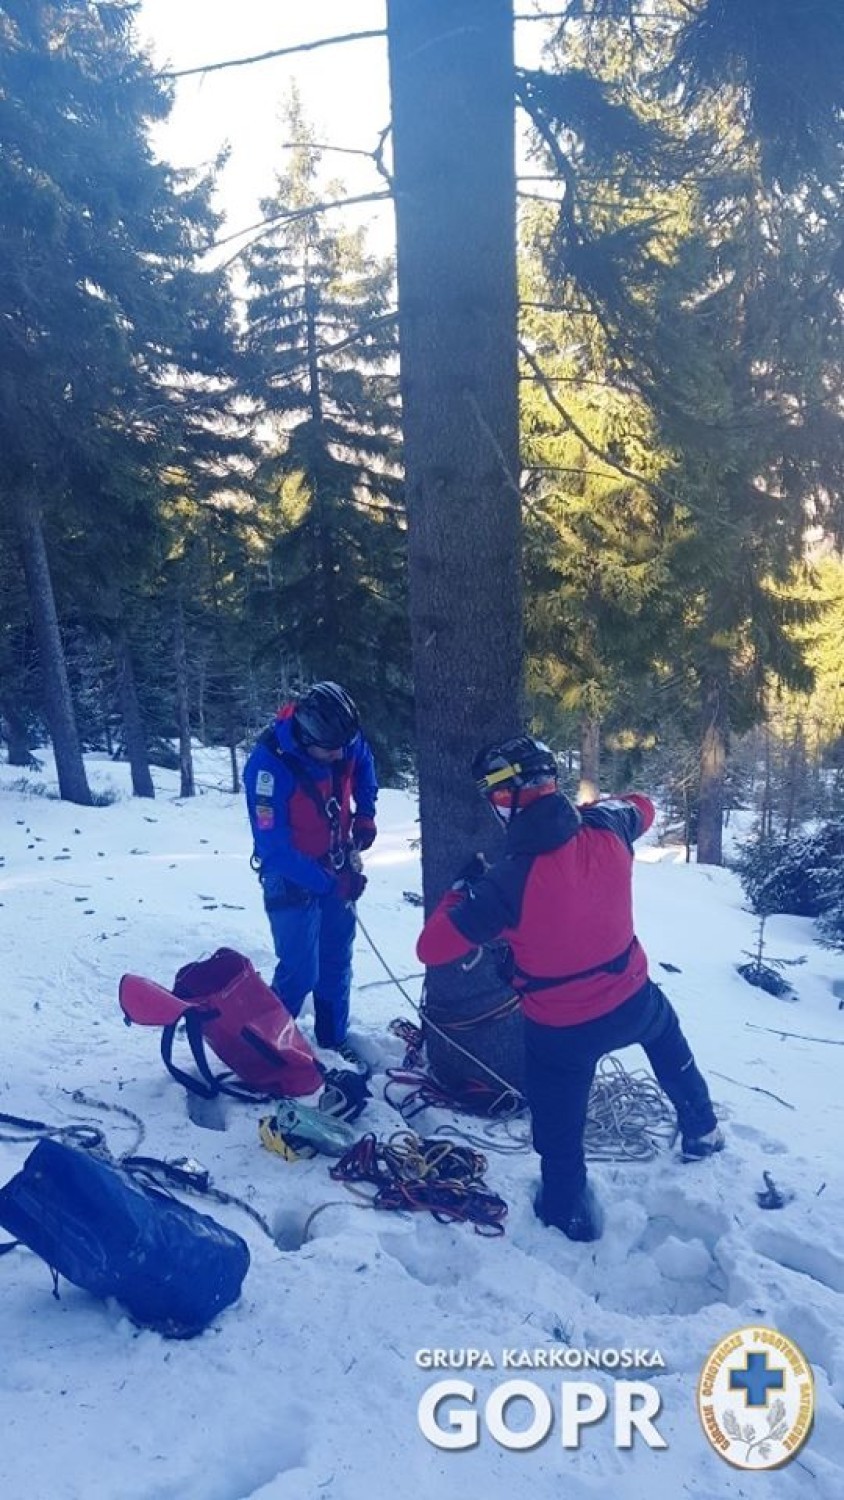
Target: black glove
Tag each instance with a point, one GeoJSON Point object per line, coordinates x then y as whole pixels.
{"type": "Point", "coordinates": [350, 884]}
{"type": "Point", "coordinates": [363, 831]}
{"type": "Point", "coordinates": [473, 871]}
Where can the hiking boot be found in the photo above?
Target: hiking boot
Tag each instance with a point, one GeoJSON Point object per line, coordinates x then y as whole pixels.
{"type": "Point", "coordinates": [353, 1058]}
{"type": "Point", "coordinates": [696, 1148]}
{"type": "Point", "coordinates": [584, 1221]}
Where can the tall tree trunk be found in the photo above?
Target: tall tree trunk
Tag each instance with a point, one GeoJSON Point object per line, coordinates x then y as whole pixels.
{"type": "Point", "coordinates": [201, 690]}
{"type": "Point", "coordinates": [16, 734]}
{"type": "Point", "coordinates": [590, 759]}
{"type": "Point", "coordinates": [134, 732]}
{"type": "Point", "coordinates": [452, 85]}
{"type": "Point", "coordinates": [326, 580]}
{"type": "Point", "coordinates": [767, 818]}
{"type": "Point", "coordinates": [713, 762]}
{"type": "Point", "coordinates": [188, 784]}
{"type": "Point", "coordinates": [235, 769]}
{"type": "Point", "coordinates": [795, 776]}
{"type": "Point", "coordinates": [58, 703]}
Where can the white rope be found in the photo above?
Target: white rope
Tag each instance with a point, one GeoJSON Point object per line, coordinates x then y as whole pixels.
{"type": "Point", "coordinates": [629, 1118]}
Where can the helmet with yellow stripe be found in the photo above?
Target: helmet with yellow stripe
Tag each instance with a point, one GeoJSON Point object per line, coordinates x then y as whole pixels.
{"type": "Point", "coordinates": [517, 762]}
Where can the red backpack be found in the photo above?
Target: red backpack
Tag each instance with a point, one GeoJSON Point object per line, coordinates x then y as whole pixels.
{"type": "Point", "coordinates": [223, 1001]}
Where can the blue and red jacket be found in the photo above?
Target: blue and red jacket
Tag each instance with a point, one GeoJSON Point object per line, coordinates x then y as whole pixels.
{"type": "Point", "coordinates": [293, 834]}
{"type": "Point", "coordinates": [562, 901]}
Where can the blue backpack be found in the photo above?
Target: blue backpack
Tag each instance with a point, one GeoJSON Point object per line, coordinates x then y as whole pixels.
{"type": "Point", "coordinates": [171, 1268]}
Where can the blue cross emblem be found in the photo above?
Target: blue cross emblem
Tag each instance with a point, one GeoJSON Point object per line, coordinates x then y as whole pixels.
{"type": "Point", "coordinates": [756, 1380]}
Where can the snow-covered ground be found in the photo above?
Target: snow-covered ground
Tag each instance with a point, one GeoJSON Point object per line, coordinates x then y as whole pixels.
{"type": "Point", "coordinates": [309, 1385]}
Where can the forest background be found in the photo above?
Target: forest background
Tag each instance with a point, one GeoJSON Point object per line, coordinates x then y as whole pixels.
{"type": "Point", "coordinates": [204, 494]}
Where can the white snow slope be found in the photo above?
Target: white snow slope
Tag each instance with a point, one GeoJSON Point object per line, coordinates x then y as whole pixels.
{"type": "Point", "coordinates": [308, 1386]}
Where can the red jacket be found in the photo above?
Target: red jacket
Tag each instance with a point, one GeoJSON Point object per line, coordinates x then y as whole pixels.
{"type": "Point", "coordinates": [561, 899]}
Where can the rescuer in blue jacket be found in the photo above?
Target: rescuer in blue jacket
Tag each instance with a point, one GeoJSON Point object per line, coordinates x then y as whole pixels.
{"type": "Point", "coordinates": [311, 790]}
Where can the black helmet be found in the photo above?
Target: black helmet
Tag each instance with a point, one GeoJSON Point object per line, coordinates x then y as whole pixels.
{"type": "Point", "coordinates": [514, 763]}
{"type": "Point", "coordinates": [325, 716]}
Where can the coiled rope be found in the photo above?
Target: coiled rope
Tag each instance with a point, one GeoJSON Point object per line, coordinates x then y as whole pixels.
{"type": "Point", "coordinates": [437, 1176]}
{"type": "Point", "coordinates": [629, 1118]}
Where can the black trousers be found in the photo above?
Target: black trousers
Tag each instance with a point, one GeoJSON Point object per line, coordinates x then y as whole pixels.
{"type": "Point", "coordinates": [560, 1063]}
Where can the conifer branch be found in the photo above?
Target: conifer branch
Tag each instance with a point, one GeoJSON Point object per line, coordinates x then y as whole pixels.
{"type": "Point", "coordinates": [296, 368]}
{"type": "Point", "coordinates": [598, 452]}
{"type": "Point", "coordinates": [259, 57]}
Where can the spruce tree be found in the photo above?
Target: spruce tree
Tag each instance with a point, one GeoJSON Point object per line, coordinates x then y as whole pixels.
{"type": "Point", "coordinates": [112, 337]}
{"type": "Point", "coordinates": [320, 350]}
{"type": "Point", "coordinates": [718, 300]}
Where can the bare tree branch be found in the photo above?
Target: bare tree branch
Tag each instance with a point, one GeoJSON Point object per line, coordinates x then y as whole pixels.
{"type": "Point", "coordinates": [324, 146]}
{"type": "Point", "coordinates": [266, 225]}
{"type": "Point", "coordinates": [376, 156]}
{"type": "Point", "coordinates": [259, 57]}
{"type": "Point", "coordinates": [509, 479]}
{"type": "Point", "coordinates": [827, 1041]}
{"type": "Point", "coordinates": [571, 308]}
{"type": "Point", "coordinates": [539, 198]}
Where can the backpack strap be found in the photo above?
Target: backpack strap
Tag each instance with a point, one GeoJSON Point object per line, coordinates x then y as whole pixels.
{"type": "Point", "coordinates": [209, 1084]}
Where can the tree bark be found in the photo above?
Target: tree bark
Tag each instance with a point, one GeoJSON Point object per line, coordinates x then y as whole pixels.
{"type": "Point", "coordinates": [16, 734]}
{"type": "Point", "coordinates": [58, 703]}
{"type": "Point", "coordinates": [795, 777]}
{"type": "Point", "coordinates": [231, 735]}
{"type": "Point", "coordinates": [713, 763]}
{"type": "Point", "coordinates": [590, 759]}
{"type": "Point", "coordinates": [187, 781]}
{"type": "Point", "coordinates": [134, 732]}
{"type": "Point", "coordinates": [326, 580]}
{"type": "Point", "coordinates": [452, 85]}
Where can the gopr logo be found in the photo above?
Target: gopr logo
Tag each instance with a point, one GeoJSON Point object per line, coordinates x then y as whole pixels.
{"type": "Point", "coordinates": [756, 1398]}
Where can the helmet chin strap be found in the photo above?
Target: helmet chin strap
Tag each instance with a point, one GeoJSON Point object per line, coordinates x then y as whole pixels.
{"type": "Point", "coordinates": [504, 812]}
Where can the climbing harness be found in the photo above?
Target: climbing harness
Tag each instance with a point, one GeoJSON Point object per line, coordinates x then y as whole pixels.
{"type": "Point", "coordinates": [331, 807]}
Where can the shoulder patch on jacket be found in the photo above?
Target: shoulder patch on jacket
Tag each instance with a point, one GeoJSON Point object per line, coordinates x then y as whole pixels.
{"type": "Point", "coordinates": [264, 815]}
{"type": "Point", "coordinates": [264, 783]}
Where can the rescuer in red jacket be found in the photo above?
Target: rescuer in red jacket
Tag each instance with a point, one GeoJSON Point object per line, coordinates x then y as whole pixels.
{"type": "Point", "coordinates": [561, 900]}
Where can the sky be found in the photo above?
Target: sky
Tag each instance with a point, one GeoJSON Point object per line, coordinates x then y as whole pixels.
{"type": "Point", "coordinates": [345, 90]}
{"type": "Point", "coordinates": [308, 1387]}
